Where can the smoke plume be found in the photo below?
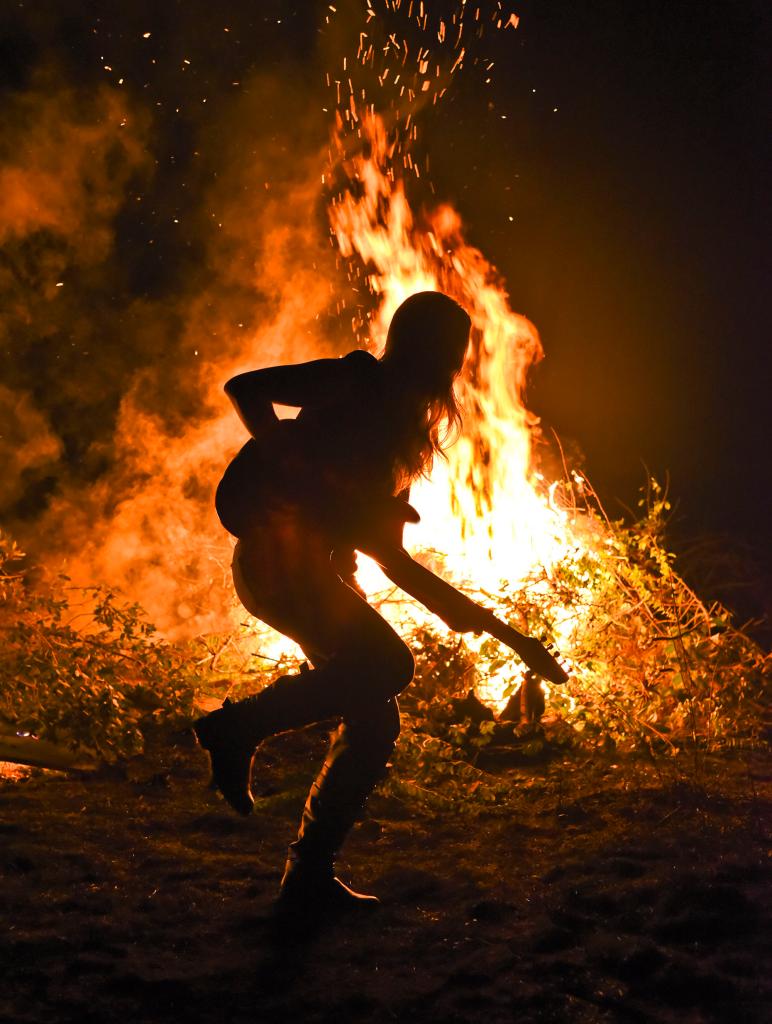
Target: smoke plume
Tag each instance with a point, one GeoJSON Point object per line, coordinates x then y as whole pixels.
{"type": "Point", "coordinates": [130, 296]}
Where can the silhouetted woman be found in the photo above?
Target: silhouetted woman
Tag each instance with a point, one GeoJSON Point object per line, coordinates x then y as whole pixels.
{"type": "Point", "coordinates": [301, 496]}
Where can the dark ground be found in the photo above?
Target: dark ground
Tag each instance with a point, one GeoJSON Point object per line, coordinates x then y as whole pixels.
{"type": "Point", "coordinates": [608, 891]}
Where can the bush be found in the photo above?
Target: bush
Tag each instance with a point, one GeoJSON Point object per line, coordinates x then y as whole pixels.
{"type": "Point", "coordinates": [651, 666]}
{"type": "Point", "coordinates": [80, 666]}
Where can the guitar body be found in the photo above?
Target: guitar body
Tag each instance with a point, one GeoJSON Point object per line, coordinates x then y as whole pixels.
{"type": "Point", "coordinates": [241, 493]}
{"type": "Point", "coordinates": [275, 471]}
{"type": "Point", "coordinates": [272, 472]}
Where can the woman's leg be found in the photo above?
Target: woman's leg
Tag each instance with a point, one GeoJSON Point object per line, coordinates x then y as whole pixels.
{"type": "Point", "coordinates": [361, 665]}
{"type": "Point", "coordinates": [355, 762]}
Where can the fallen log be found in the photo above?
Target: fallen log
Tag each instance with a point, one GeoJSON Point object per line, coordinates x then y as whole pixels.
{"type": "Point", "coordinates": [29, 750]}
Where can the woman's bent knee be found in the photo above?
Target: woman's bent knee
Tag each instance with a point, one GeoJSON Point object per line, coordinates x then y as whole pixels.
{"type": "Point", "coordinates": [403, 667]}
{"type": "Point", "coordinates": [381, 659]}
{"type": "Point", "coordinates": [391, 671]}
{"type": "Point", "coordinates": [373, 730]}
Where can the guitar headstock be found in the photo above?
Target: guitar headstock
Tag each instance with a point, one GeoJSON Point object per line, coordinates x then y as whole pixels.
{"type": "Point", "coordinates": [543, 660]}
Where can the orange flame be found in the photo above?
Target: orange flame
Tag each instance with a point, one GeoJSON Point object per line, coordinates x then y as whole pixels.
{"type": "Point", "coordinates": [487, 515]}
{"type": "Point", "coordinates": [486, 510]}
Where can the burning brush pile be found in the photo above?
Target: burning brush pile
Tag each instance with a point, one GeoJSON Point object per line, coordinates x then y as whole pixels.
{"type": "Point", "coordinates": [650, 665]}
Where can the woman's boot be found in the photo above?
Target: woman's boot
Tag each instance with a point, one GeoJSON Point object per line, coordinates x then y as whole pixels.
{"type": "Point", "coordinates": [355, 763]}
{"type": "Point", "coordinates": [306, 892]}
{"type": "Point", "coordinates": [232, 733]}
{"type": "Point", "coordinates": [230, 736]}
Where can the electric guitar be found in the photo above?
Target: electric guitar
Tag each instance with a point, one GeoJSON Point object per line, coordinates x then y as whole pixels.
{"type": "Point", "coordinates": [375, 529]}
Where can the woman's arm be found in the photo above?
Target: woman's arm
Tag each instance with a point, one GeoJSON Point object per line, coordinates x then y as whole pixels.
{"type": "Point", "coordinates": [464, 615]}
{"type": "Point", "coordinates": [315, 383]}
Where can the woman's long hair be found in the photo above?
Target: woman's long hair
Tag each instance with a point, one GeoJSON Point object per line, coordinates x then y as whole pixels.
{"type": "Point", "coordinates": [424, 353]}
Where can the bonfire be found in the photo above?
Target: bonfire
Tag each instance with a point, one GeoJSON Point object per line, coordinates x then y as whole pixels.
{"type": "Point", "coordinates": [650, 665]}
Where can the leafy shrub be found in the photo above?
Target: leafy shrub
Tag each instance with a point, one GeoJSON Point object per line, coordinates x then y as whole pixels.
{"type": "Point", "coordinates": [651, 665]}
{"type": "Point", "coordinates": [80, 666]}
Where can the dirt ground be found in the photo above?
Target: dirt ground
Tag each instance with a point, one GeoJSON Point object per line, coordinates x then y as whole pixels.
{"type": "Point", "coordinates": [607, 891]}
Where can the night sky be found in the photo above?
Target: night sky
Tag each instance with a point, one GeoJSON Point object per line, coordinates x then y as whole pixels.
{"type": "Point", "coordinates": [613, 169]}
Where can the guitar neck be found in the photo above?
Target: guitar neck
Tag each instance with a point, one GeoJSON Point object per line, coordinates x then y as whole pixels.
{"type": "Point", "coordinates": [460, 612]}
{"type": "Point", "coordinates": [456, 609]}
